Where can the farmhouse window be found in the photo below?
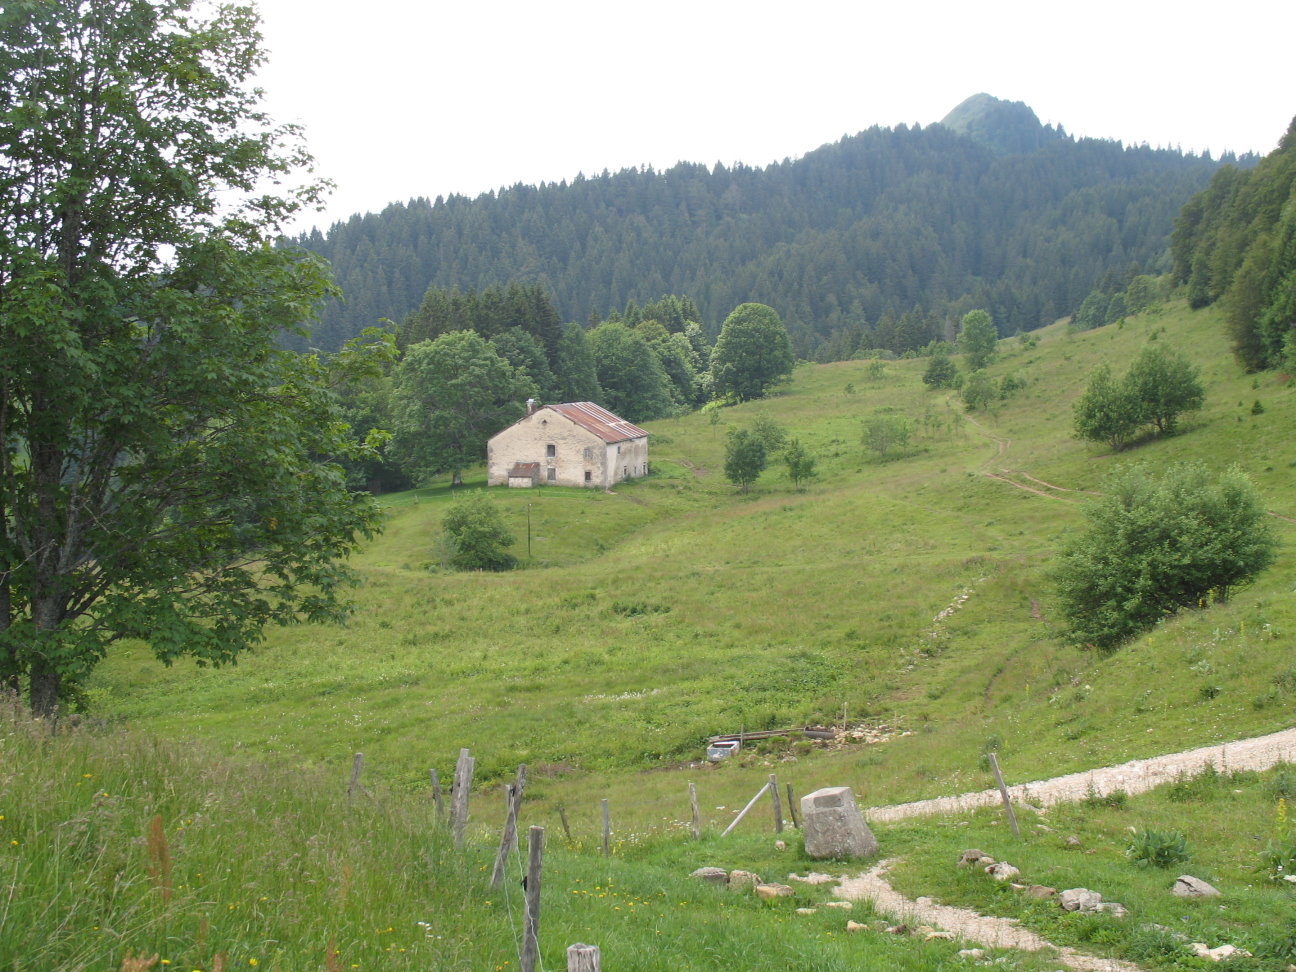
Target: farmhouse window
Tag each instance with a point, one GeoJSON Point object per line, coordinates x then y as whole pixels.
{"type": "Point", "coordinates": [551, 450]}
{"type": "Point", "coordinates": [589, 476]}
{"type": "Point", "coordinates": [553, 474]}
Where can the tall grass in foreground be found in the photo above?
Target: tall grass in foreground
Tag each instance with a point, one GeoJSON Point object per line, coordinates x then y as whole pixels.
{"type": "Point", "coordinates": [122, 852]}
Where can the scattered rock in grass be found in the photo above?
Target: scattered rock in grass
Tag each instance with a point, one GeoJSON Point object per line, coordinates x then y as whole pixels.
{"type": "Point", "coordinates": [1219, 953]}
{"type": "Point", "coordinates": [854, 926]}
{"type": "Point", "coordinates": [1079, 899]}
{"type": "Point", "coordinates": [814, 877]}
{"type": "Point", "coordinates": [1188, 886]}
{"type": "Point", "coordinates": [897, 929]}
{"type": "Point", "coordinates": [806, 911]}
{"type": "Point", "coordinates": [780, 845]}
{"type": "Point", "coordinates": [1112, 908]}
{"type": "Point", "coordinates": [843, 905]}
{"type": "Point", "coordinates": [771, 892]}
{"type": "Point", "coordinates": [1002, 871]}
{"type": "Point", "coordinates": [1041, 891]}
{"type": "Point", "coordinates": [974, 857]}
{"type": "Point", "coordinates": [972, 953]}
{"type": "Point", "coordinates": [714, 875]}
{"type": "Point", "coordinates": [938, 936]}
{"type": "Point", "coordinates": [741, 880]}
{"type": "Point", "coordinates": [1072, 841]}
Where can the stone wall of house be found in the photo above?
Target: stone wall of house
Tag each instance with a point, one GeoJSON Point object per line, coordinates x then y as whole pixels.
{"type": "Point", "coordinates": [580, 458]}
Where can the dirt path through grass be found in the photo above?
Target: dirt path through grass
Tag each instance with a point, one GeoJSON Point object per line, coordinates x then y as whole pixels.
{"type": "Point", "coordinates": [1135, 776]}
{"type": "Point", "coordinates": [968, 925]}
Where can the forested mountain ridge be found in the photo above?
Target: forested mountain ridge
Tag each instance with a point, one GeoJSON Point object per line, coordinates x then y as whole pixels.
{"type": "Point", "coordinates": [843, 241]}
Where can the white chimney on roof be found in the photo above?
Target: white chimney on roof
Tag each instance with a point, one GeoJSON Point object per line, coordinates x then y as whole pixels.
{"type": "Point", "coordinates": [532, 405]}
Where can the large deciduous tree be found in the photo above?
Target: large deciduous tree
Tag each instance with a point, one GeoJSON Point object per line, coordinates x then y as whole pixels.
{"type": "Point", "coordinates": [448, 397]}
{"type": "Point", "coordinates": [978, 338]}
{"type": "Point", "coordinates": [1156, 544]}
{"type": "Point", "coordinates": [164, 468]}
{"type": "Point", "coordinates": [752, 352]}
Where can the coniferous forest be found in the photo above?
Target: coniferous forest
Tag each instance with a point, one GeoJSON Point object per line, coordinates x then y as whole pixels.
{"type": "Point", "coordinates": [880, 240]}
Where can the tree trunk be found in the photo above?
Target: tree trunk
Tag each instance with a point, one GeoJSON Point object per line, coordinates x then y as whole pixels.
{"type": "Point", "coordinates": [45, 686]}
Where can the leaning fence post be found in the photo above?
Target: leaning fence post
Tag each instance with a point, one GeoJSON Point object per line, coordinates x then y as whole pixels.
{"type": "Point", "coordinates": [531, 916]}
{"type": "Point", "coordinates": [436, 796]}
{"type": "Point", "coordinates": [792, 807]}
{"type": "Point", "coordinates": [583, 958]}
{"type": "Point", "coordinates": [778, 811]}
{"type": "Point", "coordinates": [562, 819]}
{"type": "Point", "coordinates": [459, 798]}
{"type": "Point", "coordinates": [738, 819]}
{"type": "Point", "coordinates": [697, 827]}
{"type": "Point", "coordinates": [356, 765]}
{"type": "Point", "coordinates": [509, 838]}
{"type": "Point", "coordinates": [1003, 793]}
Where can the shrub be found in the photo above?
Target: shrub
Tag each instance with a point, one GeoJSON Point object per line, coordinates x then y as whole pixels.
{"type": "Point", "coordinates": [475, 531]}
{"type": "Point", "coordinates": [1156, 848]}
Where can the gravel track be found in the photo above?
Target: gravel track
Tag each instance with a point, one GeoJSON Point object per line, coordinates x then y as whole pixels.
{"type": "Point", "coordinates": [1136, 776]}
{"type": "Point", "coordinates": [968, 925]}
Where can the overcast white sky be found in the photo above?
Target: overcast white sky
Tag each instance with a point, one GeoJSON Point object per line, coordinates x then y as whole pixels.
{"type": "Point", "coordinates": [404, 99]}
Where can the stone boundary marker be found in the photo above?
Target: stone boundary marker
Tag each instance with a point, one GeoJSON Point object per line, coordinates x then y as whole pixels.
{"type": "Point", "coordinates": [1136, 776]}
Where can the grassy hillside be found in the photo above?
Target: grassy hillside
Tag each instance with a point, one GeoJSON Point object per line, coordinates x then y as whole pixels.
{"type": "Point", "coordinates": [674, 608]}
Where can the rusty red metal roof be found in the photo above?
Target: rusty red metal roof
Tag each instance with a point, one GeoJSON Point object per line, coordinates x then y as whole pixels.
{"type": "Point", "coordinates": [524, 470]}
{"type": "Point", "coordinates": [597, 419]}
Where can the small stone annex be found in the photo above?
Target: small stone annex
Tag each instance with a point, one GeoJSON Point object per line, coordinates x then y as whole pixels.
{"type": "Point", "coordinates": [574, 444]}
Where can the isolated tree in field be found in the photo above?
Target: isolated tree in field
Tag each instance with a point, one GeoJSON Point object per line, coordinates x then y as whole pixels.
{"type": "Point", "coordinates": [885, 433]}
{"type": "Point", "coordinates": [770, 433]}
{"type": "Point", "coordinates": [941, 372]}
{"type": "Point", "coordinates": [1158, 543]}
{"type": "Point", "coordinates": [1165, 384]}
{"type": "Point", "coordinates": [978, 391]}
{"type": "Point", "coordinates": [477, 536]}
{"type": "Point", "coordinates": [752, 353]}
{"type": "Point", "coordinates": [1107, 412]}
{"type": "Point", "coordinates": [978, 339]}
{"type": "Point", "coordinates": [745, 457]}
{"type": "Point", "coordinates": [800, 463]}
{"type": "Point", "coordinates": [449, 396]}
{"type": "Point", "coordinates": [164, 463]}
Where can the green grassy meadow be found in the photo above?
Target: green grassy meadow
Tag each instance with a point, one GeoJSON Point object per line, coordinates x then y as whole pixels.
{"type": "Point", "coordinates": [912, 596]}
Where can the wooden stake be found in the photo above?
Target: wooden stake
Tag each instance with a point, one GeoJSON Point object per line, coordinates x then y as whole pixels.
{"type": "Point", "coordinates": [607, 828]}
{"type": "Point", "coordinates": [697, 825]}
{"type": "Point", "coordinates": [774, 797]}
{"type": "Point", "coordinates": [562, 819]}
{"type": "Point", "coordinates": [738, 819]}
{"type": "Point", "coordinates": [792, 811]}
{"type": "Point", "coordinates": [459, 795]}
{"type": "Point", "coordinates": [356, 765]}
{"type": "Point", "coordinates": [508, 840]}
{"type": "Point", "coordinates": [436, 796]}
{"type": "Point", "coordinates": [531, 916]}
{"type": "Point", "coordinates": [583, 958]}
{"type": "Point", "coordinates": [1003, 793]}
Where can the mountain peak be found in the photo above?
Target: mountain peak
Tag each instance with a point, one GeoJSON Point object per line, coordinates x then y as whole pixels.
{"type": "Point", "coordinates": [1008, 127]}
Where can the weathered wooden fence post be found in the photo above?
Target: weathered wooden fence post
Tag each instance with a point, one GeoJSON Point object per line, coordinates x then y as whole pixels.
{"type": "Point", "coordinates": [792, 805]}
{"type": "Point", "coordinates": [436, 796]}
{"type": "Point", "coordinates": [697, 826]}
{"type": "Point", "coordinates": [583, 958]}
{"type": "Point", "coordinates": [738, 819]}
{"type": "Point", "coordinates": [1003, 793]}
{"type": "Point", "coordinates": [531, 917]}
{"type": "Point", "coordinates": [459, 795]}
{"type": "Point", "coordinates": [562, 819]}
{"type": "Point", "coordinates": [509, 838]}
{"type": "Point", "coordinates": [778, 811]}
{"type": "Point", "coordinates": [607, 828]}
{"type": "Point", "coordinates": [356, 766]}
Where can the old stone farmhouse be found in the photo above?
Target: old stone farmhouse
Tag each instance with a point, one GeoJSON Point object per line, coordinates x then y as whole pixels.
{"type": "Point", "coordinates": [576, 444]}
